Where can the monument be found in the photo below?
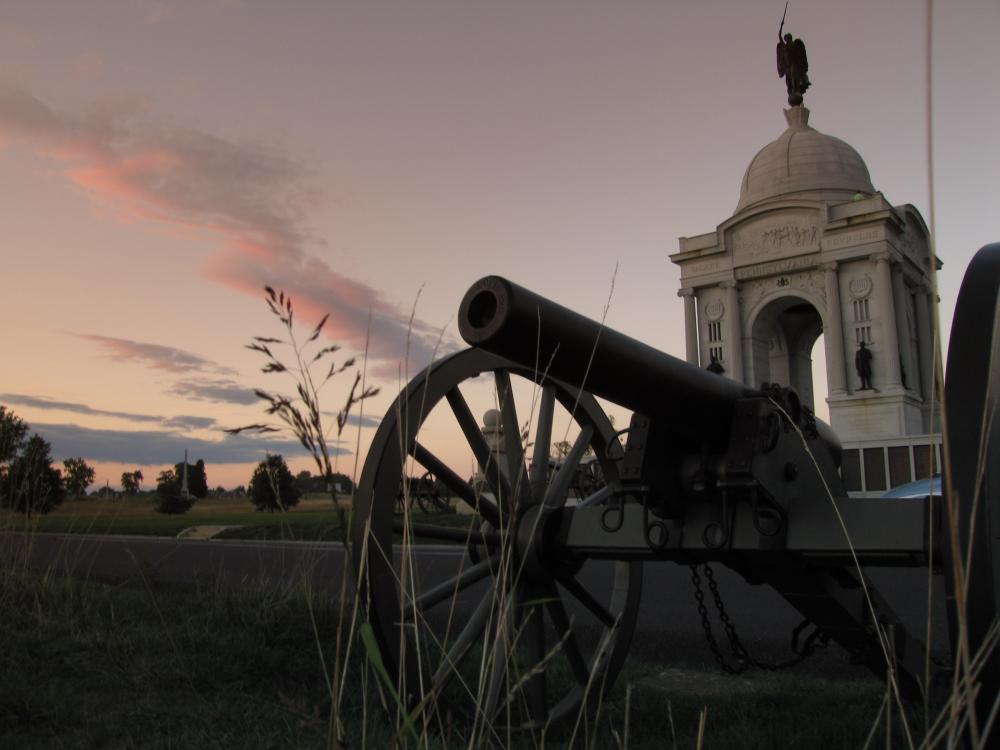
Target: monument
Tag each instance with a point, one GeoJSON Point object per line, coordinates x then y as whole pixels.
{"type": "Point", "coordinates": [813, 248]}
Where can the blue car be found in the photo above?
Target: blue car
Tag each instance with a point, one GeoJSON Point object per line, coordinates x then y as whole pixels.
{"type": "Point", "coordinates": [920, 488]}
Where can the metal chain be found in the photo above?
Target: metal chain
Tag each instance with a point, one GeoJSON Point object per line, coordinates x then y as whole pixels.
{"type": "Point", "coordinates": [707, 625]}
{"type": "Point", "coordinates": [816, 639]}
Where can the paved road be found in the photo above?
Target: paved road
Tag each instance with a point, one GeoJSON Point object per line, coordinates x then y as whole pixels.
{"type": "Point", "coordinates": [668, 622]}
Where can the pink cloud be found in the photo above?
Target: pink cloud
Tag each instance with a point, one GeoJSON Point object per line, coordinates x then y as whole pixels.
{"type": "Point", "coordinates": [251, 197]}
{"type": "Point", "coordinates": [153, 355]}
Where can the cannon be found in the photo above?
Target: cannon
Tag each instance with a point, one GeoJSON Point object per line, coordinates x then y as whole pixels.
{"type": "Point", "coordinates": [708, 471]}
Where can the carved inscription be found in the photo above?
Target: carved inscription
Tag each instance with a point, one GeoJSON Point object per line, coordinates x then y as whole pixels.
{"type": "Point", "coordinates": [705, 266]}
{"type": "Point", "coordinates": [855, 238]}
{"type": "Point", "coordinates": [776, 267]}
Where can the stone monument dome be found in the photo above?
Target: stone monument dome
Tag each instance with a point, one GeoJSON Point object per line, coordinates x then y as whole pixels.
{"type": "Point", "coordinates": [803, 161]}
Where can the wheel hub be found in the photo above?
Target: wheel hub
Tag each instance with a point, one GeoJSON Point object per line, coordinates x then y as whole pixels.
{"type": "Point", "coordinates": [535, 547]}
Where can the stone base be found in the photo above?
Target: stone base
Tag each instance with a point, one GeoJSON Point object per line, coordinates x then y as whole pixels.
{"type": "Point", "coordinates": [868, 415]}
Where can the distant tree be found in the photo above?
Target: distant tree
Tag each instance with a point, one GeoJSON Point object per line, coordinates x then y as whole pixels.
{"type": "Point", "coordinates": [305, 481]}
{"type": "Point", "coordinates": [343, 482]}
{"type": "Point", "coordinates": [105, 492]}
{"type": "Point", "coordinates": [272, 486]}
{"type": "Point", "coordinates": [77, 477]}
{"type": "Point", "coordinates": [131, 482]}
{"type": "Point", "coordinates": [239, 490]}
{"type": "Point", "coordinates": [169, 498]}
{"type": "Point", "coordinates": [30, 483]}
{"type": "Point", "coordinates": [13, 431]}
{"type": "Point", "coordinates": [196, 480]}
{"type": "Point", "coordinates": [562, 449]}
{"type": "Point", "coordinates": [219, 491]}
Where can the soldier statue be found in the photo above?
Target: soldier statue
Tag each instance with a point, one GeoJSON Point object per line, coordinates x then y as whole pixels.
{"type": "Point", "coordinates": [793, 65]}
{"type": "Point", "coordinates": [863, 364]}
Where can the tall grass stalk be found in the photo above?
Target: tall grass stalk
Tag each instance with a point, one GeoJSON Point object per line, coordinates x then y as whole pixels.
{"type": "Point", "coordinates": [302, 416]}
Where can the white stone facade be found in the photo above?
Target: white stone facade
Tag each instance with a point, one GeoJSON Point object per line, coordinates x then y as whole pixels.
{"type": "Point", "coordinates": [814, 249]}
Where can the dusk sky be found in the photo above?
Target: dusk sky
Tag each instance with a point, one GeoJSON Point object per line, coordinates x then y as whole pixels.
{"type": "Point", "coordinates": [161, 161]}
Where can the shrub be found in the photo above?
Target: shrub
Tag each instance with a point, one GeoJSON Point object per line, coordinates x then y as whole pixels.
{"type": "Point", "coordinates": [272, 486]}
{"type": "Point", "coordinates": [30, 484]}
{"type": "Point", "coordinates": [168, 497]}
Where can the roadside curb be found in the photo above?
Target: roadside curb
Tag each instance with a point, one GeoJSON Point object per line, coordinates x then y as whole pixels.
{"type": "Point", "coordinates": [203, 532]}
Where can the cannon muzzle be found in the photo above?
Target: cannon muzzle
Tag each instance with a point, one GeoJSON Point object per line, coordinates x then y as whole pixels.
{"type": "Point", "coordinates": [513, 322]}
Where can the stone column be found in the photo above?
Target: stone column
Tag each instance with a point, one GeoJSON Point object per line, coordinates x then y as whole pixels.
{"type": "Point", "coordinates": [690, 324]}
{"type": "Point", "coordinates": [925, 341]}
{"type": "Point", "coordinates": [834, 334]}
{"type": "Point", "coordinates": [899, 295]}
{"type": "Point", "coordinates": [735, 330]}
{"type": "Point", "coordinates": [890, 339]}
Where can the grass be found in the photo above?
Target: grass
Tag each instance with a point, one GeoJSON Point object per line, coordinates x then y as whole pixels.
{"type": "Point", "coordinates": [313, 520]}
{"type": "Point", "coordinates": [134, 665]}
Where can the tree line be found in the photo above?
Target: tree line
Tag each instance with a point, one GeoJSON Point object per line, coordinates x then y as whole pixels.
{"type": "Point", "coordinates": [30, 483]}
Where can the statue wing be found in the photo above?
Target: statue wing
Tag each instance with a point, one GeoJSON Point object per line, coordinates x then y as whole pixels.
{"type": "Point", "coordinates": [799, 54]}
{"type": "Point", "coordinates": [781, 60]}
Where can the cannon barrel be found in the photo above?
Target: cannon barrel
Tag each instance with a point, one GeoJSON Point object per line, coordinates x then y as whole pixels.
{"type": "Point", "coordinates": [513, 322]}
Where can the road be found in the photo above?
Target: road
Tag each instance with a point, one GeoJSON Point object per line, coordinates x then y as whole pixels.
{"type": "Point", "coordinates": [669, 623]}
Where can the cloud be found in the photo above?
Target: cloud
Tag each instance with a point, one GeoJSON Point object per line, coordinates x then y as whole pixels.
{"type": "Point", "coordinates": [231, 392]}
{"type": "Point", "coordinates": [355, 420]}
{"type": "Point", "coordinates": [153, 355]}
{"type": "Point", "coordinates": [252, 197]}
{"type": "Point", "coordinates": [46, 403]}
{"type": "Point", "coordinates": [152, 448]}
{"type": "Point", "coordinates": [182, 421]}
{"type": "Point", "coordinates": [218, 391]}
{"type": "Point", "coordinates": [188, 422]}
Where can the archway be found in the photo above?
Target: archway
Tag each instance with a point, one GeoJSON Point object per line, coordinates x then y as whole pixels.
{"type": "Point", "coordinates": [783, 335]}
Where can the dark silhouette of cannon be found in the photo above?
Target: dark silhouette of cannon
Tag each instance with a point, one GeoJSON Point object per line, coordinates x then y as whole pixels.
{"type": "Point", "coordinates": [710, 471]}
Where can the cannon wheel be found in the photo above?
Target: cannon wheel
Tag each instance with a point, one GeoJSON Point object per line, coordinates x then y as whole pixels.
{"type": "Point", "coordinates": [424, 493]}
{"type": "Point", "coordinates": [972, 397]}
{"type": "Point", "coordinates": [552, 643]}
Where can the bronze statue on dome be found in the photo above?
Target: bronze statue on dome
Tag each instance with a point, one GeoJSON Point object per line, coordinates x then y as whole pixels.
{"type": "Point", "coordinates": [793, 65]}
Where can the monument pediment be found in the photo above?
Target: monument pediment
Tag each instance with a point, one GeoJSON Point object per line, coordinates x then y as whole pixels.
{"type": "Point", "coordinates": [774, 236]}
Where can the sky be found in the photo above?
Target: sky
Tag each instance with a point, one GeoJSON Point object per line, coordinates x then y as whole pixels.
{"type": "Point", "coordinates": [162, 161]}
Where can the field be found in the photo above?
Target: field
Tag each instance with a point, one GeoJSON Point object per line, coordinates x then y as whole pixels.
{"type": "Point", "coordinates": [313, 519]}
{"type": "Point", "coordinates": [138, 664]}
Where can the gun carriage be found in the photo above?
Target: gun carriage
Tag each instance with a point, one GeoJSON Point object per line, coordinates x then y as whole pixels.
{"type": "Point", "coordinates": [710, 471]}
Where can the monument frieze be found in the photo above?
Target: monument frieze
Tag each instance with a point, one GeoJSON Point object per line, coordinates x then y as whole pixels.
{"type": "Point", "coordinates": [777, 267]}
{"type": "Point", "coordinates": [791, 234]}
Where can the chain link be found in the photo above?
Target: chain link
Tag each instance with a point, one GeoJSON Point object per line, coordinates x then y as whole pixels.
{"type": "Point", "coordinates": [816, 639]}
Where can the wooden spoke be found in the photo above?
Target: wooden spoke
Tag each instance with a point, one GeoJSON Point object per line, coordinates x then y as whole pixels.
{"type": "Point", "coordinates": [570, 646]}
{"type": "Point", "coordinates": [539, 470]}
{"type": "Point", "coordinates": [467, 535]}
{"type": "Point", "coordinates": [534, 633]}
{"type": "Point", "coordinates": [587, 600]}
{"type": "Point", "coordinates": [500, 652]}
{"type": "Point", "coordinates": [598, 497]}
{"type": "Point", "coordinates": [555, 495]}
{"type": "Point", "coordinates": [456, 484]}
{"type": "Point", "coordinates": [512, 437]}
{"type": "Point", "coordinates": [466, 638]}
{"type": "Point", "coordinates": [452, 586]}
{"type": "Point", "coordinates": [474, 436]}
